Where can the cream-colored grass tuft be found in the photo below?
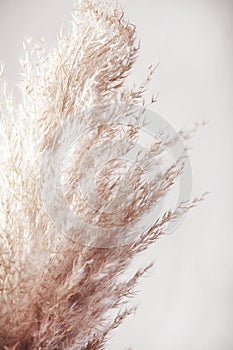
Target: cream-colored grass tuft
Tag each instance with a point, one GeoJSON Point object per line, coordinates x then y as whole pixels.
{"type": "Point", "coordinates": [57, 293]}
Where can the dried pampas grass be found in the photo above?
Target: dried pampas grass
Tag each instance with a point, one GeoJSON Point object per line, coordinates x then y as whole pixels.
{"type": "Point", "coordinates": [58, 288]}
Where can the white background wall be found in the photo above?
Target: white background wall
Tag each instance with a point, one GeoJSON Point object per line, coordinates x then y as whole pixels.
{"type": "Point", "coordinates": [186, 302]}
